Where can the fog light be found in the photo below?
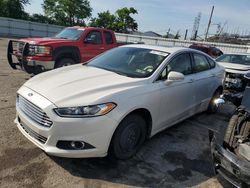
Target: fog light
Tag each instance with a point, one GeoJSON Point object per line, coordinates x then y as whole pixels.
{"type": "Point", "coordinates": [73, 145]}
{"type": "Point", "coordinates": [77, 144]}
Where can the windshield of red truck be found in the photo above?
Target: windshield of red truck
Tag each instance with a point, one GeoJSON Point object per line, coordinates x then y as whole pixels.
{"type": "Point", "coordinates": [70, 33]}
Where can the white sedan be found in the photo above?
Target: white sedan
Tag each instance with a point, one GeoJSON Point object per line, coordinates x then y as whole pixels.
{"type": "Point", "coordinates": [117, 100]}
{"type": "Point", "coordinates": [236, 66]}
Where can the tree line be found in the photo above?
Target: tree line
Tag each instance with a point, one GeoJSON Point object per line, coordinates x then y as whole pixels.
{"type": "Point", "coordinates": [70, 13]}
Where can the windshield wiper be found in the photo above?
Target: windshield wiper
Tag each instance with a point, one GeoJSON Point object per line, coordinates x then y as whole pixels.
{"type": "Point", "coordinates": [120, 73]}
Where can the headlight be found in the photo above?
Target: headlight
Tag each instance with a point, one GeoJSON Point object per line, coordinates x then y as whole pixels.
{"type": "Point", "coordinates": [85, 111]}
{"type": "Point", "coordinates": [43, 50]}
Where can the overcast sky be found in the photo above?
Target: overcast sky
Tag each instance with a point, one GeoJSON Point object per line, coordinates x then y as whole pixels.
{"type": "Point", "coordinates": [160, 15]}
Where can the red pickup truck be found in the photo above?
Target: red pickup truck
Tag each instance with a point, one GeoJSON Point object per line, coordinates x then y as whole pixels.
{"type": "Point", "coordinates": [70, 46]}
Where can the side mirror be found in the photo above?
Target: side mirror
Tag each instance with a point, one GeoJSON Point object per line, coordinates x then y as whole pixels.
{"type": "Point", "coordinates": [174, 77]}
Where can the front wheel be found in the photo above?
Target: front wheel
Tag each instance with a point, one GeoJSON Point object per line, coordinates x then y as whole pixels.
{"type": "Point", "coordinates": [64, 62]}
{"type": "Point", "coordinates": [128, 137]}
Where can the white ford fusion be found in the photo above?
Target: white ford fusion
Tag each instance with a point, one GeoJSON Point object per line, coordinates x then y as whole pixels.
{"type": "Point", "coordinates": [117, 100]}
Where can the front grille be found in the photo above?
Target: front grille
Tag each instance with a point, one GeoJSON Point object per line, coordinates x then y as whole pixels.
{"type": "Point", "coordinates": [33, 112]}
{"type": "Point", "coordinates": [235, 81]}
{"type": "Point", "coordinates": [32, 133]}
{"type": "Point", "coordinates": [18, 46]}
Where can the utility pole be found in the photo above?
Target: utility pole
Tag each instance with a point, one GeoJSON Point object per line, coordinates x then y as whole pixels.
{"type": "Point", "coordinates": [168, 32]}
{"type": "Point", "coordinates": [185, 38]}
{"type": "Point", "coordinates": [209, 23]}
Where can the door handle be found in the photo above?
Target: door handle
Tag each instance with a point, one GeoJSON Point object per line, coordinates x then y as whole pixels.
{"type": "Point", "coordinates": [102, 48]}
{"type": "Point", "coordinates": [191, 80]}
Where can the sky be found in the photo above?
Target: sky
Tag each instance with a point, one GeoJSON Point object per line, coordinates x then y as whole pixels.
{"type": "Point", "coordinates": [177, 15]}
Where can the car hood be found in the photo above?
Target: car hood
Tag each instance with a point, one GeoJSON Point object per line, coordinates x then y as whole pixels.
{"type": "Point", "coordinates": [44, 41]}
{"type": "Point", "coordinates": [80, 85]}
{"type": "Point", "coordinates": [234, 68]}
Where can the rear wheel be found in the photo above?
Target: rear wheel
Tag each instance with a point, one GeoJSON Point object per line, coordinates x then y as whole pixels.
{"type": "Point", "coordinates": [64, 62]}
{"type": "Point", "coordinates": [128, 137]}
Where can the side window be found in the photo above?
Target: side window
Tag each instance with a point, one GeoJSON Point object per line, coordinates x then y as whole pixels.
{"type": "Point", "coordinates": [108, 37]}
{"type": "Point", "coordinates": [211, 63]}
{"type": "Point", "coordinates": [200, 63]}
{"type": "Point", "coordinates": [180, 63]}
{"type": "Point", "coordinates": [93, 37]}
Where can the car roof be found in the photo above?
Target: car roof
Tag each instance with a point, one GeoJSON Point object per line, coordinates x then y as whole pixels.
{"type": "Point", "coordinates": [236, 54]}
{"type": "Point", "coordinates": [159, 48]}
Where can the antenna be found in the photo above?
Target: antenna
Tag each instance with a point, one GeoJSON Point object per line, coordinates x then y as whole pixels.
{"type": "Point", "coordinates": [196, 26]}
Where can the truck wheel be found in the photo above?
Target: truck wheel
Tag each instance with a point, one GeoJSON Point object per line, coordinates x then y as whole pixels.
{"type": "Point", "coordinates": [128, 137]}
{"type": "Point", "coordinates": [64, 62]}
{"type": "Point", "coordinates": [212, 108]}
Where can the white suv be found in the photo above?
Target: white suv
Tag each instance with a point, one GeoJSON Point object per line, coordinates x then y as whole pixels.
{"type": "Point", "coordinates": [117, 100]}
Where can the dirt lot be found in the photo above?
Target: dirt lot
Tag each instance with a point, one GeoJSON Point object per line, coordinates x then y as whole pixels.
{"type": "Point", "coordinates": [177, 157]}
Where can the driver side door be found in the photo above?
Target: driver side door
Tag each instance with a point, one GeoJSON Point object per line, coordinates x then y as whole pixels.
{"type": "Point", "coordinates": [93, 45]}
{"type": "Point", "coordinates": [178, 97]}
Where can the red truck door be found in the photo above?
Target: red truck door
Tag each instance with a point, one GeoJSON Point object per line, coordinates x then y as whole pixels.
{"type": "Point", "coordinates": [92, 46]}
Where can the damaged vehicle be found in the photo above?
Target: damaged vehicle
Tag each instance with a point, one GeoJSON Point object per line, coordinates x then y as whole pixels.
{"type": "Point", "coordinates": [236, 66]}
{"type": "Point", "coordinates": [231, 155]}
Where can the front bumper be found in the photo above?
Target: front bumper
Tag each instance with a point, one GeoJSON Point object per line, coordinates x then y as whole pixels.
{"type": "Point", "coordinates": [29, 64]}
{"type": "Point", "coordinates": [95, 132]}
{"type": "Point", "coordinates": [229, 166]}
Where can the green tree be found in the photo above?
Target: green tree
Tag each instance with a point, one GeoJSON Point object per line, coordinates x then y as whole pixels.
{"type": "Point", "coordinates": [121, 21]}
{"type": "Point", "coordinates": [124, 22]}
{"type": "Point", "coordinates": [41, 19]}
{"type": "Point", "coordinates": [13, 9]}
{"type": "Point", "coordinates": [67, 12]}
{"type": "Point", "coordinates": [104, 19]}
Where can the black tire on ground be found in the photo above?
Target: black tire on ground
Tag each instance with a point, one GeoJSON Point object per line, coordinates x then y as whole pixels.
{"type": "Point", "coordinates": [64, 62]}
{"type": "Point", "coordinates": [212, 108]}
{"type": "Point", "coordinates": [229, 134]}
{"type": "Point", "coordinates": [128, 137]}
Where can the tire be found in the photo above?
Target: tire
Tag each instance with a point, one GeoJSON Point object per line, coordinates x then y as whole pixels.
{"type": "Point", "coordinates": [212, 108]}
{"type": "Point", "coordinates": [128, 137]}
{"type": "Point", "coordinates": [64, 62]}
{"type": "Point", "coordinates": [229, 134]}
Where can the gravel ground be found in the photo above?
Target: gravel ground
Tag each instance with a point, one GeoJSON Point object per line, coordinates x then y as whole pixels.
{"type": "Point", "coordinates": [177, 157]}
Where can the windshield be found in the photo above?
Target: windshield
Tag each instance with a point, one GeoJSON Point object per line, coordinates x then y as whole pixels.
{"type": "Point", "coordinates": [70, 33]}
{"type": "Point", "coordinates": [130, 61]}
{"type": "Point", "coordinates": [235, 58]}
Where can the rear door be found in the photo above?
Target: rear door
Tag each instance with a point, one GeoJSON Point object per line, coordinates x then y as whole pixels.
{"type": "Point", "coordinates": [204, 80]}
{"type": "Point", "coordinates": [110, 41]}
{"type": "Point", "coordinates": [93, 45]}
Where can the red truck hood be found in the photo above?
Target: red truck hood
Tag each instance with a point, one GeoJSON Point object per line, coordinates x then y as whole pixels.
{"type": "Point", "coordinates": [45, 40]}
